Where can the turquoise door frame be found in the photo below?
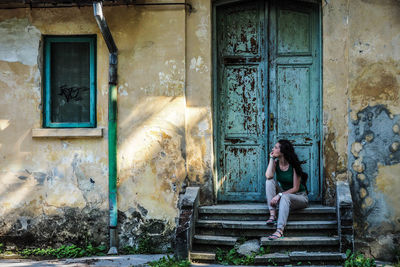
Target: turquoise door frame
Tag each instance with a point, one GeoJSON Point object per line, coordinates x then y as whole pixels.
{"type": "Point", "coordinates": [260, 69]}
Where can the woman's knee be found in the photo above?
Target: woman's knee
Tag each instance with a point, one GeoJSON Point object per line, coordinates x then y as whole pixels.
{"type": "Point", "coordinates": [285, 199]}
{"type": "Point", "coordinates": [270, 182]}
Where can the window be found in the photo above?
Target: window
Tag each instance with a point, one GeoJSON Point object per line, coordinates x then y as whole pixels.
{"type": "Point", "coordinates": [70, 81]}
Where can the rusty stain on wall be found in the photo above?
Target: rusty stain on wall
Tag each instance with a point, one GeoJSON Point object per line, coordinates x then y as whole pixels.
{"type": "Point", "coordinates": [378, 82]}
{"type": "Point", "coordinates": [335, 94]}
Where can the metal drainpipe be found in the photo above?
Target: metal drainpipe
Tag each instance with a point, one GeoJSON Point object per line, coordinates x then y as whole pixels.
{"type": "Point", "coordinates": [112, 124]}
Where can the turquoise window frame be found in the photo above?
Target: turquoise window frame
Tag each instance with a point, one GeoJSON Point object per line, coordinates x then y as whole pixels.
{"type": "Point", "coordinates": [48, 40]}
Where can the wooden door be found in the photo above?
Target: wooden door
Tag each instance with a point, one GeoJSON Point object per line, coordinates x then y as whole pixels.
{"type": "Point", "coordinates": [294, 84]}
{"type": "Point", "coordinates": [266, 89]}
{"type": "Point", "coordinates": [240, 102]}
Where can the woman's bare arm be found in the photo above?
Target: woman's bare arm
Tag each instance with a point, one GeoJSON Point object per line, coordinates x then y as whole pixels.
{"type": "Point", "coordinates": [271, 169]}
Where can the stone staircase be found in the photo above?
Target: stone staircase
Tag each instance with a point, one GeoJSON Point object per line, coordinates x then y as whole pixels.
{"type": "Point", "coordinates": [311, 234]}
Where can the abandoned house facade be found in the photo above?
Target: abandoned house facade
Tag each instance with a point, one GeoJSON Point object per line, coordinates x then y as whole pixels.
{"type": "Point", "coordinates": [105, 130]}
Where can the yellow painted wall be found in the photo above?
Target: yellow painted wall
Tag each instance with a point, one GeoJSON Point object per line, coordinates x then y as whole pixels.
{"type": "Point", "coordinates": [43, 178]}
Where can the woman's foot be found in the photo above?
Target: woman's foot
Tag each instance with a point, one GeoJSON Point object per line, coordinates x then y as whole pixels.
{"type": "Point", "coordinates": [278, 234]}
{"type": "Point", "coordinates": [271, 220]}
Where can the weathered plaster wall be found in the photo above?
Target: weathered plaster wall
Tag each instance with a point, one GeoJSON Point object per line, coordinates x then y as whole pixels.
{"type": "Point", "coordinates": [374, 119]}
{"type": "Point", "coordinates": [335, 16]}
{"type": "Point", "coordinates": [361, 87]}
{"type": "Point", "coordinates": [51, 189]}
{"type": "Point", "coordinates": [56, 190]}
{"type": "Point", "coordinates": [199, 135]}
{"type": "Point", "coordinates": [151, 119]}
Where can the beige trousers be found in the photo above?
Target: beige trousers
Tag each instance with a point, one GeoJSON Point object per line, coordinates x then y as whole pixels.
{"type": "Point", "coordinates": [287, 201]}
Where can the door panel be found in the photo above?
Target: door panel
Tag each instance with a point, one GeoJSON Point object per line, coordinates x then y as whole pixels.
{"type": "Point", "coordinates": [293, 32]}
{"type": "Point", "coordinates": [241, 30]}
{"type": "Point", "coordinates": [293, 100]}
{"type": "Point", "coordinates": [242, 162]}
{"type": "Point", "coordinates": [240, 102]}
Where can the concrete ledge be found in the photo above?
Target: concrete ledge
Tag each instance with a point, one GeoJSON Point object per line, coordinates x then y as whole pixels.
{"type": "Point", "coordinates": [202, 256]}
{"type": "Point", "coordinates": [344, 213]}
{"type": "Point", "coordinates": [188, 212]}
{"type": "Point", "coordinates": [67, 133]}
{"type": "Point", "coordinates": [190, 198]}
{"type": "Point", "coordinates": [343, 194]}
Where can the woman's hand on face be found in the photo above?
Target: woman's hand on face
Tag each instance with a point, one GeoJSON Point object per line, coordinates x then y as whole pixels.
{"type": "Point", "coordinates": [271, 155]}
{"type": "Point", "coordinates": [274, 200]}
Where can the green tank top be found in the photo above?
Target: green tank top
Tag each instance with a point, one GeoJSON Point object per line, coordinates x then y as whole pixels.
{"type": "Point", "coordinates": [285, 178]}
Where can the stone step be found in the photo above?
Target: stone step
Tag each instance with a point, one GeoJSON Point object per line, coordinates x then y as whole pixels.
{"type": "Point", "coordinates": [286, 241]}
{"type": "Point", "coordinates": [193, 264]}
{"type": "Point", "coordinates": [231, 224]}
{"type": "Point", "coordinates": [258, 233]}
{"type": "Point", "coordinates": [212, 243]}
{"type": "Point", "coordinates": [260, 212]}
{"type": "Point", "coordinates": [300, 257]}
{"type": "Point", "coordinates": [264, 217]}
{"type": "Point", "coordinates": [294, 257]}
{"type": "Point", "coordinates": [301, 241]}
{"type": "Point", "coordinates": [215, 240]}
{"type": "Point", "coordinates": [260, 208]}
{"type": "Point", "coordinates": [201, 256]}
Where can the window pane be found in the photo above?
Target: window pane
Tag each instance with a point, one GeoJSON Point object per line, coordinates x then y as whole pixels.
{"type": "Point", "coordinates": [70, 82]}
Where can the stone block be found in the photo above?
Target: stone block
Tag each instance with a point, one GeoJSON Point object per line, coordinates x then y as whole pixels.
{"type": "Point", "coordinates": [188, 205]}
{"type": "Point", "coordinates": [345, 218]}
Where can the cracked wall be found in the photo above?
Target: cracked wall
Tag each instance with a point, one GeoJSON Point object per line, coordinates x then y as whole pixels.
{"type": "Point", "coordinates": [198, 95]}
{"type": "Point", "coordinates": [374, 114]}
{"type": "Point", "coordinates": [335, 16]}
{"type": "Point", "coordinates": [360, 115]}
{"type": "Point", "coordinates": [55, 191]}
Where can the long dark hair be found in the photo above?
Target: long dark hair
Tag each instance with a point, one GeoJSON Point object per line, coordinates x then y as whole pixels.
{"type": "Point", "coordinates": [288, 153]}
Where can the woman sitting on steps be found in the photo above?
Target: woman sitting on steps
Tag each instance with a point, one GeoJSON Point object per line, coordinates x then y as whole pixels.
{"type": "Point", "coordinates": [292, 190]}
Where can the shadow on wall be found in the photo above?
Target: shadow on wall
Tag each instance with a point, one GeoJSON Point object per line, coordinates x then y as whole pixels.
{"type": "Point", "coordinates": [152, 170]}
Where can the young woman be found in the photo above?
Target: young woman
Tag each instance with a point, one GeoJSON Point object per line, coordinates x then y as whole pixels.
{"type": "Point", "coordinates": [292, 190]}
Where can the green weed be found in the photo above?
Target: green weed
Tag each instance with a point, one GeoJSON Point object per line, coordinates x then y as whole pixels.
{"type": "Point", "coordinates": [169, 262]}
{"type": "Point", "coordinates": [358, 260]}
{"type": "Point", "coordinates": [1, 247]}
{"type": "Point", "coordinates": [264, 250]}
{"type": "Point", "coordinates": [144, 247]}
{"type": "Point", "coordinates": [272, 262]}
{"type": "Point", "coordinates": [71, 251]}
{"type": "Point", "coordinates": [232, 257]}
